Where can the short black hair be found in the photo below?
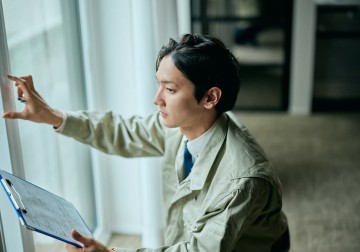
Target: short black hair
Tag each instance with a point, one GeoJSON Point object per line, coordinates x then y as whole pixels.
{"type": "Point", "coordinates": [207, 63]}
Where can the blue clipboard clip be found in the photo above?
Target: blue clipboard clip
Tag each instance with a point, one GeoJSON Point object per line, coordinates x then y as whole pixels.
{"type": "Point", "coordinates": [14, 195]}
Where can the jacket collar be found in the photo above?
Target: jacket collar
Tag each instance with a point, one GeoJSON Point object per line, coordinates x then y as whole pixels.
{"type": "Point", "coordinates": [207, 156]}
{"type": "Point", "coordinates": [201, 169]}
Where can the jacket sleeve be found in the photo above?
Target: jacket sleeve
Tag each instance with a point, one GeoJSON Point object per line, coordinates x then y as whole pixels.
{"type": "Point", "coordinates": [244, 220]}
{"type": "Point", "coordinates": [112, 134]}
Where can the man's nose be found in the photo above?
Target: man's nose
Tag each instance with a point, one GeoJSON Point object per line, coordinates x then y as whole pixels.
{"type": "Point", "coordinates": [157, 98]}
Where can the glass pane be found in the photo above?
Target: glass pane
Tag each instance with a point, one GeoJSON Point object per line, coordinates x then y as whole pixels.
{"type": "Point", "coordinates": [254, 30]}
{"type": "Point", "coordinates": [245, 8]}
{"type": "Point", "coordinates": [337, 58]}
{"type": "Point", "coordinates": [261, 57]}
{"type": "Point", "coordinates": [38, 45]}
{"type": "Point", "coordinates": [240, 8]}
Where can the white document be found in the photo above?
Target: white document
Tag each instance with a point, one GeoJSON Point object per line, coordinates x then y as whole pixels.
{"type": "Point", "coordinates": [42, 211]}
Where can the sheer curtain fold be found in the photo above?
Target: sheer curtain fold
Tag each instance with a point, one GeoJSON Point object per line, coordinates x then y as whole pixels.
{"type": "Point", "coordinates": [122, 46]}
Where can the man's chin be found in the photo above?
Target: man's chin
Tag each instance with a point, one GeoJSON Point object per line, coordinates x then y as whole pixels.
{"type": "Point", "coordinates": [167, 124]}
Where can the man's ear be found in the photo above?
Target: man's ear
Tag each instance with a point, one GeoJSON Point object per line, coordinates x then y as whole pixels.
{"type": "Point", "coordinates": [212, 97]}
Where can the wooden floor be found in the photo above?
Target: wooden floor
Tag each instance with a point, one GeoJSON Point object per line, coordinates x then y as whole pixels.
{"type": "Point", "coordinates": [317, 158]}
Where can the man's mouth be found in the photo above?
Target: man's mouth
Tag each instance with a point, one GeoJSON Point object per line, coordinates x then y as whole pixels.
{"type": "Point", "coordinates": [162, 114]}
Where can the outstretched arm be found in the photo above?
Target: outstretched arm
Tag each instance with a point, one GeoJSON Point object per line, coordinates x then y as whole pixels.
{"type": "Point", "coordinates": [36, 109]}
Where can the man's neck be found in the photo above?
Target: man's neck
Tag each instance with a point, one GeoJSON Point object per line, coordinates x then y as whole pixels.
{"type": "Point", "coordinates": [197, 129]}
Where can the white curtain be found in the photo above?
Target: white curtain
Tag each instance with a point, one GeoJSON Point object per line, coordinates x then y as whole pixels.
{"type": "Point", "coordinates": [120, 43]}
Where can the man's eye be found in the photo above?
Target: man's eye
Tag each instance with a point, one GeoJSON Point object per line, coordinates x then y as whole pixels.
{"type": "Point", "coordinates": [170, 90]}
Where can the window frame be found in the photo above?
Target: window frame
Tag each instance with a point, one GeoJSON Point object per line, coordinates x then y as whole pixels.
{"type": "Point", "coordinates": [12, 161]}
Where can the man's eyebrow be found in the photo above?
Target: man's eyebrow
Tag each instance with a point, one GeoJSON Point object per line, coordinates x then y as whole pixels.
{"type": "Point", "coordinates": [166, 82]}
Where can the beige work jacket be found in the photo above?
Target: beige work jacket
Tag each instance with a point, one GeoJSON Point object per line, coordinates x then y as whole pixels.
{"type": "Point", "coordinates": [231, 201]}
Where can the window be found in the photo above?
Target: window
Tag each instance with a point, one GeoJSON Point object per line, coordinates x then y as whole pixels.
{"type": "Point", "coordinates": [43, 42]}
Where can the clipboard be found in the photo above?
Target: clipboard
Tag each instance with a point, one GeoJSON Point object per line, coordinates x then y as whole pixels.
{"type": "Point", "coordinates": [42, 211]}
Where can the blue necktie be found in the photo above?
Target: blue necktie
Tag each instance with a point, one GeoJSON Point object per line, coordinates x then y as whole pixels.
{"type": "Point", "coordinates": [187, 161]}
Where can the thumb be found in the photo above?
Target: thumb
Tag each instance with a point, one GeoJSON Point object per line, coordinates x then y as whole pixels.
{"type": "Point", "coordinates": [86, 241]}
{"type": "Point", "coordinates": [13, 115]}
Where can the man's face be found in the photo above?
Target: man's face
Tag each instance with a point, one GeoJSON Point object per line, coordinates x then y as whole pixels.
{"type": "Point", "coordinates": [175, 97]}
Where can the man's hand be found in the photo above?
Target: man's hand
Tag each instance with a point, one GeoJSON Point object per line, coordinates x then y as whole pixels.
{"type": "Point", "coordinates": [36, 109]}
{"type": "Point", "coordinates": [90, 245]}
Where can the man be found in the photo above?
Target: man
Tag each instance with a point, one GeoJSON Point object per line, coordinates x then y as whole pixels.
{"type": "Point", "coordinates": [220, 192]}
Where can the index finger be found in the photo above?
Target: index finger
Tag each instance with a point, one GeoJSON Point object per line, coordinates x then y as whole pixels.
{"type": "Point", "coordinates": [21, 84]}
{"type": "Point", "coordinates": [29, 81]}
